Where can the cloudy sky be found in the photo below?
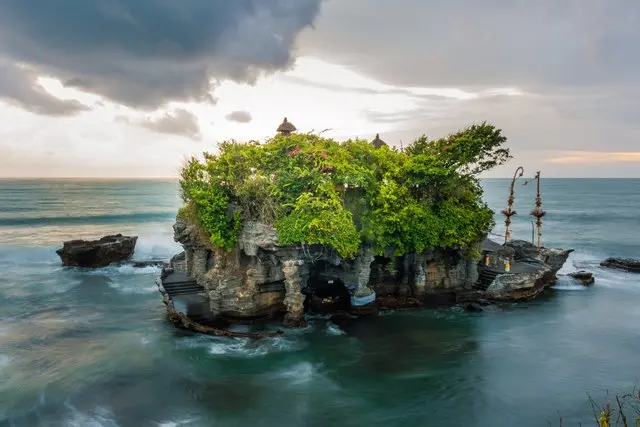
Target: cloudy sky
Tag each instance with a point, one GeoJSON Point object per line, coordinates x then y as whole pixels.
{"type": "Point", "coordinates": [130, 88]}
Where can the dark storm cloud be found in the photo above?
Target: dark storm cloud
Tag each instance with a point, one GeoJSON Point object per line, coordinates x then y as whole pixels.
{"type": "Point", "coordinates": [489, 42]}
{"type": "Point", "coordinates": [18, 86]}
{"type": "Point", "coordinates": [144, 53]}
{"type": "Point", "coordinates": [239, 116]}
{"type": "Point", "coordinates": [179, 122]}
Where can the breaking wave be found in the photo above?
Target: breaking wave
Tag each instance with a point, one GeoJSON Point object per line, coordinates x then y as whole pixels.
{"type": "Point", "coordinates": [334, 330]}
{"type": "Point", "coordinates": [240, 347]}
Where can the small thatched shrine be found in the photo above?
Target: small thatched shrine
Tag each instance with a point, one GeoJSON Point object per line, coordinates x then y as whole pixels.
{"type": "Point", "coordinates": [377, 142]}
{"type": "Point", "coordinates": [286, 127]}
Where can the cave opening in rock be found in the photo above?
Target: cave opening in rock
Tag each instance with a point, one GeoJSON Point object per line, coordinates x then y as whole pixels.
{"type": "Point", "coordinates": [325, 291]}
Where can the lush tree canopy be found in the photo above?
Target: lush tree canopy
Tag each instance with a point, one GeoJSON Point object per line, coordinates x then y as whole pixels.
{"type": "Point", "coordinates": [315, 190]}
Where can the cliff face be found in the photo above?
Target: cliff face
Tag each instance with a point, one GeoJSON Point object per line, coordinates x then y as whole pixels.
{"type": "Point", "coordinates": [259, 278]}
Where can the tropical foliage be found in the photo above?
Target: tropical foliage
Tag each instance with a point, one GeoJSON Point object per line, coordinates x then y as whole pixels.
{"type": "Point", "coordinates": [316, 190]}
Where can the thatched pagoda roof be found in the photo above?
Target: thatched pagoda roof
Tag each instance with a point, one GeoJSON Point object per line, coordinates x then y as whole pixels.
{"type": "Point", "coordinates": [286, 126]}
{"type": "Point", "coordinates": [377, 142]}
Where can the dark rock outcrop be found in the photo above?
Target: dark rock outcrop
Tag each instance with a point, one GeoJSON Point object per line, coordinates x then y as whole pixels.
{"type": "Point", "coordinates": [97, 253]}
{"type": "Point", "coordinates": [532, 271]}
{"type": "Point", "coordinates": [627, 264]}
{"type": "Point", "coordinates": [584, 277]}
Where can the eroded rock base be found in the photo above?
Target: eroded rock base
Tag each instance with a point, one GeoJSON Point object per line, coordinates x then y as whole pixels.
{"type": "Point", "coordinates": [259, 279]}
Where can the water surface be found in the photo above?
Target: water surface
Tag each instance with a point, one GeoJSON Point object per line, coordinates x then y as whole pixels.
{"type": "Point", "coordinates": [93, 348]}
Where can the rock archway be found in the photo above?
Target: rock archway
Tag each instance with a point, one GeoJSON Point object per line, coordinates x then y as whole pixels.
{"type": "Point", "coordinates": [325, 290]}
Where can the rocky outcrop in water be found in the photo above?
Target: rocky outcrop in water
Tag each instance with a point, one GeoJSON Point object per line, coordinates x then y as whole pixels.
{"type": "Point", "coordinates": [523, 283]}
{"type": "Point", "coordinates": [584, 277]}
{"type": "Point", "coordinates": [626, 264]}
{"type": "Point", "coordinates": [259, 278]}
{"type": "Point", "coordinates": [532, 271]}
{"type": "Point", "coordinates": [97, 253]}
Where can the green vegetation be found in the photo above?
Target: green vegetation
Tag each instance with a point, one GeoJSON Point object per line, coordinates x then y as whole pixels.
{"type": "Point", "coordinates": [315, 190]}
{"type": "Point", "coordinates": [623, 412]}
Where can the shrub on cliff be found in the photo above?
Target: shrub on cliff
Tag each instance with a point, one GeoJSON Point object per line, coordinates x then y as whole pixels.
{"type": "Point", "coordinates": [316, 190]}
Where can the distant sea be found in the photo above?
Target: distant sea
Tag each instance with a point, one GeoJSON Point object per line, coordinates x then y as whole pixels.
{"type": "Point", "coordinates": [94, 348]}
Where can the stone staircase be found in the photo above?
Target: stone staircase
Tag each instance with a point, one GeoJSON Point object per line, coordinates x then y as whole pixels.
{"type": "Point", "coordinates": [487, 276]}
{"type": "Point", "coordinates": [178, 283]}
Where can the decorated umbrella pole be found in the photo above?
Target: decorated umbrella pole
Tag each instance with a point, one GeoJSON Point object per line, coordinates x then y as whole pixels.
{"type": "Point", "coordinates": [537, 212]}
{"type": "Point", "coordinates": [509, 212]}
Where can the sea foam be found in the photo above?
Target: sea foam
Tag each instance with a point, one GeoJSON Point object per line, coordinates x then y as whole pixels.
{"type": "Point", "coordinates": [240, 347]}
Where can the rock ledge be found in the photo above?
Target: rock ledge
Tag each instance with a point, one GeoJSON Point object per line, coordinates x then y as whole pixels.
{"type": "Point", "coordinates": [628, 264]}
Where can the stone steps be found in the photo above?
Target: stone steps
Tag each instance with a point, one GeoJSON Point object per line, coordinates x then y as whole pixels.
{"type": "Point", "coordinates": [487, 277]}
{"type": "Point", "coordinates": [179, 284]}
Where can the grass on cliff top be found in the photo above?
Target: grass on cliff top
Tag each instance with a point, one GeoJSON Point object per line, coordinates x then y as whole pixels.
{"type": "Point", "coordinates": [316, 190]}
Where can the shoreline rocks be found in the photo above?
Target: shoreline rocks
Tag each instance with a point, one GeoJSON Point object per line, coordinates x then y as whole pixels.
{"type": "Point", "coordinates": [627, 264]}
{"type": "Point", "coordinates": [97, 253]}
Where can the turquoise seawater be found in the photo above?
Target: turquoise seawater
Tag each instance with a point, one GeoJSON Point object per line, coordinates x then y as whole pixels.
{"type": "Point", "coordinates": [94, 348]}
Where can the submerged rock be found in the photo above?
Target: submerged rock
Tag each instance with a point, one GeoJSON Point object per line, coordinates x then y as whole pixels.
{"type": "Point", "coordinates": [97, 253]}
{"type": "Point", "coordinates": [584, 277]}
{"type": "Point", "coordinates": [626, 264]}
{"type": "Point", "coordinates": [473, 307]}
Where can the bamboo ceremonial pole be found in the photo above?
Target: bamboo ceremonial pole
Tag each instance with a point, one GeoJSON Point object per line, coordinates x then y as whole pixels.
{"type": "Point", "coordinates": [537, 212]}
{"type": "Point", "coordinates": [509, 212]}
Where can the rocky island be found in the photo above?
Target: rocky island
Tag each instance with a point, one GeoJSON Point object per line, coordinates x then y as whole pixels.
{"type": "Point", "coordinates": [305, 223]}
{"type": "Point", "coordinates": [97, 253]}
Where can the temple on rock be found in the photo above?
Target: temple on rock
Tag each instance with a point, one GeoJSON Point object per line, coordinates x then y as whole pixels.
{"type": "Point", "coordinates": [303, 223]}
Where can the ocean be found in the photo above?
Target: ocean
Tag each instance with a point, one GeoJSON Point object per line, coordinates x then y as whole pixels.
{"type": "Point", "coordinates": [94, 347]}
